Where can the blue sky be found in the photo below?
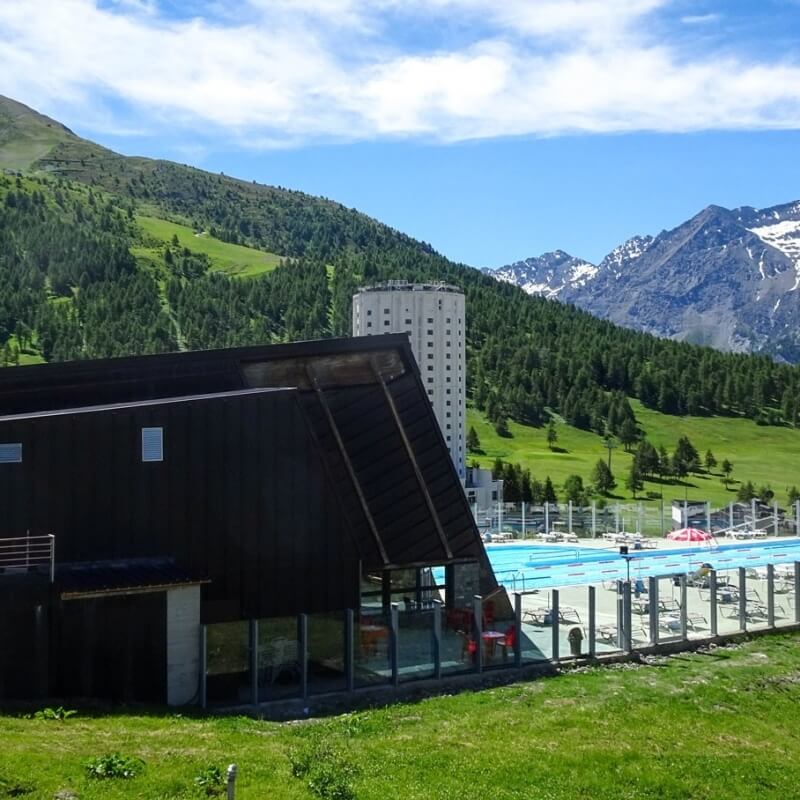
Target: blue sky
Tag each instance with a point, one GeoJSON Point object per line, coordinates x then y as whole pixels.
{"type": "Point", "coordinates": [495, 131]}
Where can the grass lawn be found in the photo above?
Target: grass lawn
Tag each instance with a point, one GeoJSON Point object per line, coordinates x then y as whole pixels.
{"type": "Point", "coordinates": [765, 455]}
{"type": "Point", "coordinates": [710, 725]}
{"type": "Point", "coordinates": [234, 259]}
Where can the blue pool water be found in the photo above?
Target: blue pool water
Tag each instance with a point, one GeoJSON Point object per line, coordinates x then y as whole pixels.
{"type": "Point", "coordinates": [529, 566]}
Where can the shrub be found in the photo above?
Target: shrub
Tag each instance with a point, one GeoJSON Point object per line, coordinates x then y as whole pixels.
{"type": "Point", "coordinates": [211, 780]}
{"type": "Point", "coordinates": [114, 765]}
{"type": "Point", "coordinates": [59, 713]}
{"type": "Point", "coordinates": [328, 774]}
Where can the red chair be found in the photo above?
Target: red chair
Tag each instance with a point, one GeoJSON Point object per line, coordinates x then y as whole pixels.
{"type": "Point", "coordinates": [508, 641]}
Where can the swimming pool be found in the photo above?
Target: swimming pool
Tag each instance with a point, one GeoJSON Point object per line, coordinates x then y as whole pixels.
{"type": "Point", "coordinates": [520, 567]}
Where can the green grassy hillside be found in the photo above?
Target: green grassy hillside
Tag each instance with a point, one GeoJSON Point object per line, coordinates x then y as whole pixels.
{"type": "Point", "coordinates": [26, 136]}
{"type": "Point", "coordinates": [763, 454]}
{"type": "Point", "coordinates": [713, 725]}
{"type": "Point", "coordinates": [233, 259]}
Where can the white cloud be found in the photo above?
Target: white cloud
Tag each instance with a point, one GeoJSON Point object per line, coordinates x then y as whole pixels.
{"type": "Point", "coordinates": [288, 71]}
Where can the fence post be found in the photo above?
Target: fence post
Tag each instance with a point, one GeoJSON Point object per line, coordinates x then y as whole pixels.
{"type": "Point", "coordinates": [523, 520]}
{"type": "Point", "coordinates": [203, 667]}
{"type": "Point", "coordinates": [302, 643]}
{"type": "Point", "coordinates": [797, 592]}
{"type": "Point", "coordinates": [616, 518]}
{"type": "Point", "coordinates": [546, 517]}
{"type": "Point", "coordinates": [253, 640]}
{"type": "Point", "coordinates": [771, 595]}
{"type": "Point", "coordinates": [684, 617]}
{"type": "Point", "coordinates": [437, 639]}
{"type": "Point", "coordinates": [592, 621]}
{"type": "Point", "coordinates": [477, 616]}
{"type": "Point", "coordinates": [554, 618]}
{"type": "Point", "coordinates": [708, 517]}
{"type": "Point", "coordinates": [652, 608]}
{"type": "Point", "coordinates": [620, 618]}
{"type": "Point", "coordinates": [639, 519]}
{"type": "Point", "coordinates": [742, 599]}
{"type": "Point", "coordinates": [627, 617]}
{"type": "Point", "coordinates": [594, 519]}
{"type": "Point", "coordinates": [349, 641]}
{"type": "Point", "coordinates": [517, 629]}
{"type": "Point", "coordinates": [394, 644]}
{"type": "Point", "coordinates": [569, 517]}
{"type": "Point", "coordinates": [230, 782]}
{"type": "Point", "coordinates": [753, 512]}
{"type": "Point", "coordinates": [797, 516]}
{"type": "Point", "coordinates": [730, 515]}
{"type": "Point", "coordinates": [775, 516]}
{"type": "Point", "coordinates": [712, 586]}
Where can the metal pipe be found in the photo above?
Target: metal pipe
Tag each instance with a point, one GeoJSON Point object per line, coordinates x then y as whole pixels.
{"type": "Point", "coordinates": [394, 652]}
{"type": "Point", "coordinates": [231, 781]}
{"type": "Point", "coordinates": [712, 585]}
{"type": "Point", "coordinates": [517, 629]}
{"type": "Point", "coordinates": [627, 618]}
{"type": "Point", "coordinates": [684, 610]}
{"type": "Point", "coordinates": [652, 608]}
{"type": "Point", "coordinates": [477, 615]}
{"type": "Point", "coordinates": [742, 599]}
{"type": "Point", "coordinates": [437, 639]}
{"type": "Point", "coordinates": [554, 617]}
{"type": "Point", "coordinates": [771, 595]}
{"type": "Point", "coordinates": [592, 621]}
{"type": "Point", "coordinates": [349, 656]}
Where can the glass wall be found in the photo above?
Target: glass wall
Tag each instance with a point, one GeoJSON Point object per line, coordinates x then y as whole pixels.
{"type": "Point", "coordinates": [228, 663]}
{"type": "Point", "coordinates": [278, 659]}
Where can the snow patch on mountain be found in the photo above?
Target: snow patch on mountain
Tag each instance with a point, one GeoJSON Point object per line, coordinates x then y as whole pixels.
{"type": "Point", "coordinates": [784, 236]}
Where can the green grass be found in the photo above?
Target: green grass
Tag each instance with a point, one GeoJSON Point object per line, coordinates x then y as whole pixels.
{"type": "Point", "coordinates": [765, 455]}
{"type": "Point", "coordinates": [233, 259]}
{"type": "Point", "coordinates": [714, 725]}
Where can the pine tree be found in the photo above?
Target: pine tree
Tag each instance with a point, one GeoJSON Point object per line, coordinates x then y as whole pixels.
{"type": "Point", "coordinates": [473, 442]}
{"type": "Point", "coordinates": [710, 461]}
{"type": "Point", "coordinates": [552, 434]}
{"type": "Point", "coordinates": [603, 478]}
{"type": "Point", "coordinates": [634, 482]}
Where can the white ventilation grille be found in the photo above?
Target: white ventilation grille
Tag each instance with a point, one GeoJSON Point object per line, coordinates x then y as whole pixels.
{"type": "Point", "coordinates": [11, 453]}
{"type": "Point", "coordinates": [152, 444]}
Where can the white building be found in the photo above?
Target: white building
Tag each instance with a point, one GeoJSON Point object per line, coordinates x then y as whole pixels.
{"type": "Point", "coordinates": [433, 315]}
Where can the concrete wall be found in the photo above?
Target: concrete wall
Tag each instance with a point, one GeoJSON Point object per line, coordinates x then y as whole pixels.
{"type": "Point", "coordinates": [183, 645]}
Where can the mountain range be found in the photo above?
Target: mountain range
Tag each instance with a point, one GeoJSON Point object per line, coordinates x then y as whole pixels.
{"type": "Point", "coordinates": [725, 278]}
{"type": "Point", "coordinates": [104, 255]}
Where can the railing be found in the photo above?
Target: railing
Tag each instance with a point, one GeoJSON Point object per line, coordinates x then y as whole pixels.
{"type": "Point", "coordinates": [25, 553]}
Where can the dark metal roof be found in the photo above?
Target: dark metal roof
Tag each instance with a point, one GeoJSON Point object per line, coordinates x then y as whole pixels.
{"type": "Point", "coordinates": [41, 387]}
{"type": "Point", "coordinates": [192, 398]}
{"type": "Point", "coordinates": [119, 577]}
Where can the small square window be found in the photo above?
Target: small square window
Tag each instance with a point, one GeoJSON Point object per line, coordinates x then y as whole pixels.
{"type": "Point", "coordinates": [448, 402]}
{"type": "Point", "coordinates": [448, 320]}
{"type": "Point", "coordinates": [408, 322]}
{"type": "Point", "coordinates": [430, 320]}
{"type": "Point", "coordinates": [430, 380]}
{"type": "Point", "coordinates": [430, 344]}
{"type": "Point", "coordinates": [430, 356]}
{"type": "Point", "coordinates": [369, 312]}
{"type": "Point", "coordinates": [447, 379]}
{"type": "Point", "coordinates": [448, 415]}
{"type": "Point", "coordinates": [385, 310]}
{"type": "Point", "coordinates": [447, 332]}
{"type": "Point", "coordinates": [369, 324]}
{"type": "Point", "coordinates": [430, 367]}
{"type": "Point", "coordinates": [430, 391]}
{"type": "Point", "coordinates": [447, 355]}
{"type": "Point", "coordinates": [447, 367]}
{"type": "Point", "coordinates": [386, 323]}
{"type": "Point", "coordinates": [447, 391]}
{"type": "Point", "coordinates": [448, 427]}
{"type": "Point", "coordinates": [11, 453]}
{"type": "Point", "coordinates": [430, 332]}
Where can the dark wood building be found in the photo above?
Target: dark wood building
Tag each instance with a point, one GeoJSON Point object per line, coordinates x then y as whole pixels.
{"type": "Point", "coordinates": [175, 490]}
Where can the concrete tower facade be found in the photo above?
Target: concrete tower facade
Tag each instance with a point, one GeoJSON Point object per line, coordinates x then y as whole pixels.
{"type": "Point", "coordinates": [433, 316]}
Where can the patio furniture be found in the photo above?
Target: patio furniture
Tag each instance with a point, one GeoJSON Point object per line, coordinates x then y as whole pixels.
{"type": "Point", "coordinates": [372, 638]}
{"type": "Point", "coordinates": [607, 633]}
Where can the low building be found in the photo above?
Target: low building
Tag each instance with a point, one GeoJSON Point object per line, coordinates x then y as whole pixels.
{"type": "Point", "coordinates": [154, 506]}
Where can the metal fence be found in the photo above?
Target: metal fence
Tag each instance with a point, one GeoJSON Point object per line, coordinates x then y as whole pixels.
{"type": "Point", "coordinates": [554, 520]}
{"type": "Point", "coordinates": [260, 661]}
{"type": "Point", "coordinates": [28, 553]}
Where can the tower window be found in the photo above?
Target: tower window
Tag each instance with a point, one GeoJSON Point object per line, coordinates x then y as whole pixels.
{"type": "Point", "coordinates": [152, 444]}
